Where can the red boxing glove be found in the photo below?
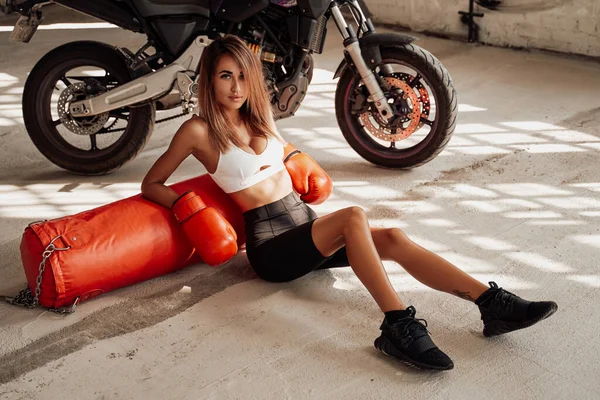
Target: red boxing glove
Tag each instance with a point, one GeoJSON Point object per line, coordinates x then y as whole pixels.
{"type": "Point", "coordinates": [210, 233]}
{"type": "Point", "coordinates": [310, 180]}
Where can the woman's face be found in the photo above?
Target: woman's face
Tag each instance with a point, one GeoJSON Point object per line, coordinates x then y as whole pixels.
{"type": "Point", "coordinates": [229, 83]}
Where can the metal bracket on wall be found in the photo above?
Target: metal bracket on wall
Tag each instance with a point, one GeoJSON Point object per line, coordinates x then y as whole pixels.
{"type": "Point", "coordinates": [468, 18]}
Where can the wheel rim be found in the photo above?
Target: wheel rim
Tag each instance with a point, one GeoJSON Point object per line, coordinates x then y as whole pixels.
{"type": "Point", "coordinates": [420, 127]}
{"type": "Point", "coordinates": [75, 77]}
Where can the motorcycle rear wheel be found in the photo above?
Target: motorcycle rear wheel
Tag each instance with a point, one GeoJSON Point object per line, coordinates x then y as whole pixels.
{"type": "Point", "coordinates": [382, 151]}
{"type": "Point", "coordinates": [41, 90]}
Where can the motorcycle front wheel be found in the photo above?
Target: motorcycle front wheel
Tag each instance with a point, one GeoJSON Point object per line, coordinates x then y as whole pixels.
{"type": "Point", "coordinates": [93, 145]}
{"type": "Point", "coordinates": [426, 109]}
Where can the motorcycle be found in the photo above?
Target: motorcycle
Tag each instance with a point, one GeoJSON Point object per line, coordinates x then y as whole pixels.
{"type": "Point", "coordinates": [89, 107]}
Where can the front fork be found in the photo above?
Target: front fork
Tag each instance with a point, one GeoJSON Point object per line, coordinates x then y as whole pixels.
{"type": "Point", "coordinates": [352, 46]}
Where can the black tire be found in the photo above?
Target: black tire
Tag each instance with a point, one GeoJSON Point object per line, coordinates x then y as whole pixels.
{"type": "Point", "coordinates": [436, 77]}
{"type": "Point", "coordinates": [38, 118]}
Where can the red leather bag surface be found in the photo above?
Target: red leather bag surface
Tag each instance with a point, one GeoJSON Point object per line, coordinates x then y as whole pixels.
{"type": "Point", "coordinates": [116, 245]}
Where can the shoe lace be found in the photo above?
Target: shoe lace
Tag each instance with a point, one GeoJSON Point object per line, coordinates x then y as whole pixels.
{"type": "Point", "coordinates": [503, 301]}
{"type": "Point", "coordinates": [406, 326]}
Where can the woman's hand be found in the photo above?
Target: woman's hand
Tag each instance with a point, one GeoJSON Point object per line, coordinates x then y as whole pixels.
{"type": "Point", "coordinates": [310, 181]}
{"type": "Point", "coordinates": [208, 231]}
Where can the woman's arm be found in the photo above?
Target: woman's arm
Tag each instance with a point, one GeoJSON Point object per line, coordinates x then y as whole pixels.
{"type": "Point", "coordinates": [310, 181]}
{"type": "Point", "coordinates": [190, 137]}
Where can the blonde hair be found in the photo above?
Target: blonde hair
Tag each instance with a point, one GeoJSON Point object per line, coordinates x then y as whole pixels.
{"type": "Point", "coordinates": [256, 111]}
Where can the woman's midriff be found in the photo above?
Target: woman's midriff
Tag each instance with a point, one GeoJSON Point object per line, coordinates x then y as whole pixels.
{"type": "Point", "coordinates": [271, 189]}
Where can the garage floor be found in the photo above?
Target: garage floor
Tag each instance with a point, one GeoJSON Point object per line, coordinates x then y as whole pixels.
{"type": "Point", "coordinates": [514, 198]}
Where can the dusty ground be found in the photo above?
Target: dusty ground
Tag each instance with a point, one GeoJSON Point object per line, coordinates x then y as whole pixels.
{"type": "Point", "coordinates": [513, 198]}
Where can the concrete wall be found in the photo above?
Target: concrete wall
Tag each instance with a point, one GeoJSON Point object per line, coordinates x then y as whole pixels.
{"type": "Point", "coordinates": [570, 26]}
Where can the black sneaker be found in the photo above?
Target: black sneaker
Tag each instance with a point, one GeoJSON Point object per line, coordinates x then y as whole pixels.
{"type": "Point", "coordinates": [408, 340]}
{"type": "Point", "coordinates": [503, 312]}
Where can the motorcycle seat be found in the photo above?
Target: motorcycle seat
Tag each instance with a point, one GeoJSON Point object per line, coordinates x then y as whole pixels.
{"type": "Point", "coordinates": [153, 8]}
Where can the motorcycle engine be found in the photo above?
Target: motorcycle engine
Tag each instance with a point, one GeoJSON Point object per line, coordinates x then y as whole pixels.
{"type": "Point", "coordinates": [286, 95]}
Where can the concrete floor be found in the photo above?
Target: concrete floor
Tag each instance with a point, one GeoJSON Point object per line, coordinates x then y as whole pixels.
{"type": "Point", "coordinates": [513, 198]}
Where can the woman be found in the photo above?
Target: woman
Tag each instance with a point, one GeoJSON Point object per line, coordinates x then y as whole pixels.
{"type": "Point", "coordinates": [236, 140]}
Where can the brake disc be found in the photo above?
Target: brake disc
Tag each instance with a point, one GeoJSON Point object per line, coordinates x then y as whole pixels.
{"type": "Point", "coordinates": [419, 109]}
{"type": "Point", "coordinates": [81, 126]}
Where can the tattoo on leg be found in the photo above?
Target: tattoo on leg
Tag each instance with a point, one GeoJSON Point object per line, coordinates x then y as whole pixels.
{"type": "Point", "coordinates": [463, 295]}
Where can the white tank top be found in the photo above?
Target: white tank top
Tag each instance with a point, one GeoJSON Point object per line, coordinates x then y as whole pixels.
{"type": "Point", "coordinates": [238, 169]}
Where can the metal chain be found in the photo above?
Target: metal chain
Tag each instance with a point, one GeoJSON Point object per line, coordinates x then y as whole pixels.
{"type": "Point", "coordinates": [27, 299]}
{"type": "Point", "coordinates": [156, 122]}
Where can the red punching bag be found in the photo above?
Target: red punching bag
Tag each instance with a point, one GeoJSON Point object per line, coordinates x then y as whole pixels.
{"type": "Point", "coordinates": [115, 245]}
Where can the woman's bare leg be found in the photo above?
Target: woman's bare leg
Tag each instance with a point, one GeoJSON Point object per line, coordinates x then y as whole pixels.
{"type": "Point", "coordinates": [350, 227]}
{"type": "Point", "coordinates": [402, 336]}
{"type": "Point", "coordinates": [425, 266]}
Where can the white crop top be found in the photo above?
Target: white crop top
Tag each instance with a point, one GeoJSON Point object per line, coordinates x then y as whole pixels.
{"type": "Point", "coordinates": [238, 169]}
